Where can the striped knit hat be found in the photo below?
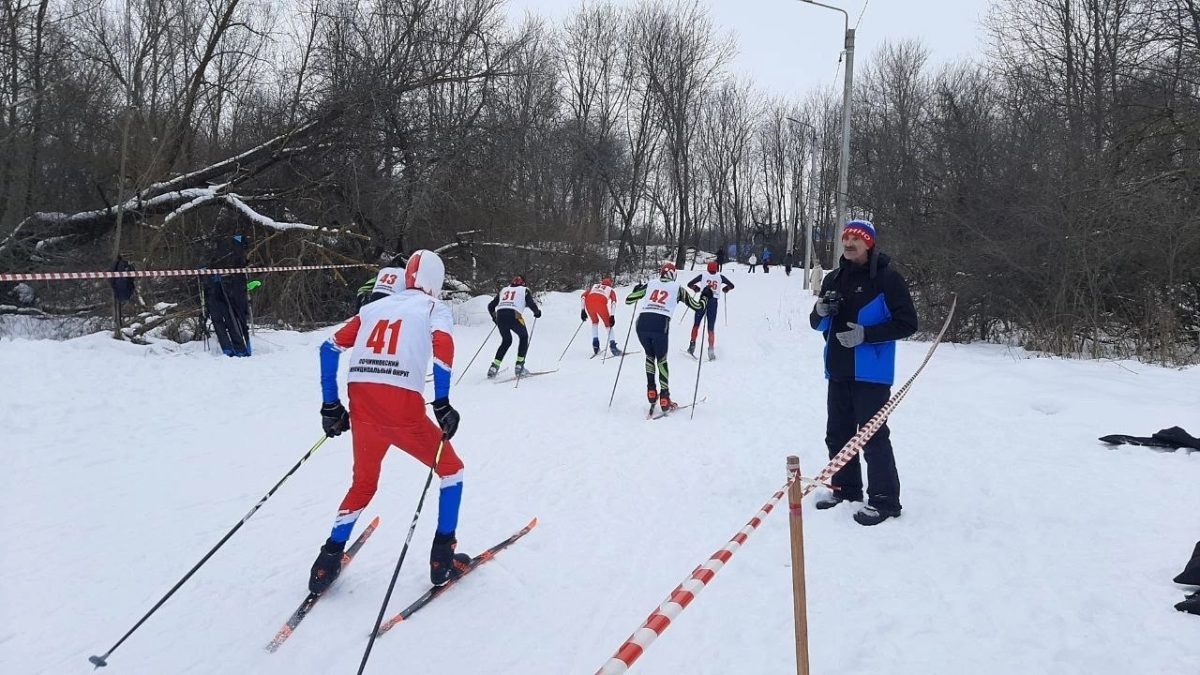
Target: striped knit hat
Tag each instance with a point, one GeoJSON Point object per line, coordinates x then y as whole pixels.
{"type": "Point", "coordinates": [862, 229]}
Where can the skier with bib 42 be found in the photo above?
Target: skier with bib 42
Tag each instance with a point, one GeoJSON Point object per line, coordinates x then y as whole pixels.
{"type": "Point", "coordinates": [507, 310]}
{"type": "Point", "coordinates": [712, 280]}
{"type": "Point", "coordinates": [392, 341]}
{"type": "Point", "coordinates": [599, 305]}
{"type": "Point", "coordinates": [654, 323]}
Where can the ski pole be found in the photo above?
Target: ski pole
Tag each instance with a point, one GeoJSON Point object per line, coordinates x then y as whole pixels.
{"type": "Point", "coordinates": [576, 334]}
{"type": "Point", "coordinates": [624, 349]}
{"type": "Point", "coordinates": [437, 458]}
{"type": "Point", "coordinates": [527, 346]}
{"type": "Point", "coordinates": [485, 340]}
{"type": "Point", "coordinates": [725, 307]}
{"type": "Point", "coordinates": [102, 660]}
{"type": "Point", "coordinates": [699, 365]}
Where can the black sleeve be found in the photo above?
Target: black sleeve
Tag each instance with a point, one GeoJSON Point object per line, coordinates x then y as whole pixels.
{"type": "Point", "coordinates": [814, 319]}
{"type": "Point", "coordinates": [900, 304]}
{"type": "Point", "coordinates": [492, 306]}
{"type": "Point", "coordinates": [529, 300]}
{"type": "Point", "coordinates": [728, 284]}
{"type": "Point", "coordinates": [692, 284]}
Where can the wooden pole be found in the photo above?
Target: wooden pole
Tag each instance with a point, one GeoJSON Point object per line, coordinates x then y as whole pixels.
{"type": "Point", "coordinates": [796, 525]}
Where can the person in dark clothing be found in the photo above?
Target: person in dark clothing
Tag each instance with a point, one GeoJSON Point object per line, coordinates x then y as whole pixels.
{"type": "Point", "coordinates": [766, 261]}
{"type": "Point", "coordinates": [507, 313]}
{"type": "Point", "coordinates": [226, 298]}
{"type": "Point", "coordinates": [721, 259]}
{"type": "Point", "coordinates": [1190, 576]}
{"type": "Point", "coordinates": [864, 308]}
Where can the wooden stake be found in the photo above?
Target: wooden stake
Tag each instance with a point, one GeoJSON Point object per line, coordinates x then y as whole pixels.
{"type": "Point", "coordinates": [796, 525]}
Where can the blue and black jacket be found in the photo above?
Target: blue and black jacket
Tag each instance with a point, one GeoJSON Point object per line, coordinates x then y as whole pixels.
{"type": "Point", "coordinates": [876, 297]}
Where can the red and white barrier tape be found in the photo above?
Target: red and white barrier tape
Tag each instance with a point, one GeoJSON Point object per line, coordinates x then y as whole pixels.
{"type": "Point", "coordinates": [682, 596]}
{"type": "Point", "coordinates": [141, 274]}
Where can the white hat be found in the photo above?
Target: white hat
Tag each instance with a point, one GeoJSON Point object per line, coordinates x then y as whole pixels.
{"type": "Point", "coordinates": [425, 271]}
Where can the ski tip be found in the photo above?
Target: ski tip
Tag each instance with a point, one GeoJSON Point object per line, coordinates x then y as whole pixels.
{"type": "Point", "coordinates": [98, 661]}
{"type": "Point", "coordinates": [533, 523]}
{"type": "Point", "coordinates": [374, 522]}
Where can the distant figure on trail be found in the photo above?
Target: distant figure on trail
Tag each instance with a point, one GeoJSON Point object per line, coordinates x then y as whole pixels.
{"type": "Point", "coordinates": [713, 280]}
{"type": "Point", "coordinates": [507, 313]}
{"type": "Point", "coordinates": [753, 261]}
{"type": "Point", "coordinates": [600, 304]}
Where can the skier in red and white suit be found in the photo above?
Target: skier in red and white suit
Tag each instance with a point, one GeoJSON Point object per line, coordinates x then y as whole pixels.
{"type": "Point", "coordinates": [392, 340]}
{"type": "Point", "coordinates": [600, 305]}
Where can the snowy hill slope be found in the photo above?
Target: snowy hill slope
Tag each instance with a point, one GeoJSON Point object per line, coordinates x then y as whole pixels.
{"type": "Point", "coordinates": [1025, 546]}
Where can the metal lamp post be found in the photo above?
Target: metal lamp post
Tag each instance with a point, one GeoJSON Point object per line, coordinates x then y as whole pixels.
{"type": "Point", "coordinates": [844, 168]}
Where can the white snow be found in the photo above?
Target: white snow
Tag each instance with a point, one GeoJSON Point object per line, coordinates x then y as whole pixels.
{"type": "Point", "coordinates": [1026, 546]}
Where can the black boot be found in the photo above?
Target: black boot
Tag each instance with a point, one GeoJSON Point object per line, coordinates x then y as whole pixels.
{"type": "Point", "coordinates": [444, 564]}
{"type": "Point", "coordinates": [1191, 604]}
{"type": "Point", "coordinates": [874, 515]}
{"type": "Point", "coordinates": [1190, 576]}
{"type": "Point", "coordinates": [834, 498]}
{"type": "Point", "coordinates": [327, 566]}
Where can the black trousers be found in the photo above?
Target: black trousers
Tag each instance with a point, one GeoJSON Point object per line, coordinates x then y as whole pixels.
{"type": "Point", "coordinates": [228, 306]}
{"type": "Point", "coordinates": [653, 331]}
{"type": "Point", "coordinates": [851, 405]}
{"type": "Point", "coordinates": [510, 321]}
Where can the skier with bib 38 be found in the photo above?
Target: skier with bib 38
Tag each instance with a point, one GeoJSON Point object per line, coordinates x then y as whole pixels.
{"type": "Point", "coordinates": [712, 280]}
{"type": "Point", "coordinates": [653, 324]}
{"type": "Point", "coordinates": [599, 305]}
{"type": "Point", "coordinates": [392, 341]}
{"type": "Point", "coordinates": [507, 313]}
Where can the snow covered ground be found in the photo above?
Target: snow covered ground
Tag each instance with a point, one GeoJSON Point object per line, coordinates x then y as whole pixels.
{"type": "Point", "coordinates": [1026, 546]}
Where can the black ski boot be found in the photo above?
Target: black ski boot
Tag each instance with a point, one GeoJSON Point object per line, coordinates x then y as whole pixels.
{"type": "Point", "coordinates": [692, 348]}
{"type": "Point", "coordinates": [444, 564]}
{"type": "Point", "coordinates": [832, 499]}
{"type": "Point", "coordinates": [327, 566]}
{"type": "Point", "coordinates": [595, 346]}
{"type": "Point", "coordinates": [1190, 576]}
{"type": "Point", "coordinates": [1191, 604]}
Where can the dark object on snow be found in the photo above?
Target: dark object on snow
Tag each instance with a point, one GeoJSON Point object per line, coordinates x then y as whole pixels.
{"type": "Point", "coordinates": [1191, 604]}
{"type": "Point", "coordinates": [1190, 576]}
{"type": "Point", "coordinates": [1173, 438]}
{"type": "Point", "coordinates": [226, 298]}
{"type": "Point", "coordinates": [123, 287]}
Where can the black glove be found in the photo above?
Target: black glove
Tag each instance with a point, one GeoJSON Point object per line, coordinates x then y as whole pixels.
{"type": "Point", "coordinates": [334, 418]}
{"type": "Point", "coordinates": [537, 313]}
{"type": "Point", "coordinates": [583, 315]}
{"type": "Point", "coordinates": [612, 321]}
{"type": "Point", "coordinates": [493, 315]}
{"type": "Point", "coordinates": [447, 417]}
{"type": "Point", "coordinates": [707, 292]}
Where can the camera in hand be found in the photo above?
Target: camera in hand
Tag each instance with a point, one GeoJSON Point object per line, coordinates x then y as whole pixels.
{"type": "Point", "coordinates": [833, 300]}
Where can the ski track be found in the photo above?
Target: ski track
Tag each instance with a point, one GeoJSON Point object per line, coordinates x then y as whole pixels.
{"type": "Point", "coordinates": [1025, 547]}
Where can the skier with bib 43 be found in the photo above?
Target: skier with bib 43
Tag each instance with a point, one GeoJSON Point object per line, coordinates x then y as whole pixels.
{"type": "Point", "coordinates": [507, 310]}
{"type": "Point", "coordinates": [654, 323]}
{"type": "Point", "coordinates": [599, 305]}
{"type": "Point", "coordinates": [391, 342]}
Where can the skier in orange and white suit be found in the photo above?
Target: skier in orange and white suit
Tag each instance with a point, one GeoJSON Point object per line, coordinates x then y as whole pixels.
{"type": "Point", "coordinates": [600, 305]}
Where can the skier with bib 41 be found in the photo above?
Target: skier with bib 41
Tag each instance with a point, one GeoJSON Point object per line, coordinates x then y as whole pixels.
{"type": "Point", "coordinates": [654, 323]}
{"type": "Point", "coordinates": [391, 342]}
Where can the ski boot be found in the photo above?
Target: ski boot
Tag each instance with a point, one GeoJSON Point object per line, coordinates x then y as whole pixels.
{"type": "Point", "coordinates": [444, 564]}
{"type": "Point", "coordinates": [327, 566]}
{"type": "Point", "coordinates": [519, 370]}
{"type": "Point", "coordinates": [492, 370]}
{"type": "Point", "coordinates": [612, 347]}
{"type": "Point", "coordinates": [712, 353]}
{"type": "Point", "coordinates": [664, 401]}
{"type": "Point", "coordinates": [595, 346]}
{"type": "Point", "coordinates": [834, 498]}
{"type": "Point", "coordinates": [652, 397]}
{"type": "Point", "coordinates": [692, 348]}
{"type": "Point", "coordinates": [874, 515]}
{"type": "Point", "coordinates": [1190, 604]}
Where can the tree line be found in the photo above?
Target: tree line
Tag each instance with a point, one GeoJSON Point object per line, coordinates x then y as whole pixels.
{"type": "Point", "coordinates": [1051, 183]}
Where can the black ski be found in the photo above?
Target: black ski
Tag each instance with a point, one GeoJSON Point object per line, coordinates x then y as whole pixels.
{"type": "Point", "coordinates": [306, 606]}
{"type": "Point", "coordinates": [434, 592]}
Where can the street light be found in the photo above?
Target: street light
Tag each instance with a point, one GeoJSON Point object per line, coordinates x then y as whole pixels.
{"type": "Point", "coordinates": [844, 168]}
{"type": "Point", "coordinates": [809, 196]}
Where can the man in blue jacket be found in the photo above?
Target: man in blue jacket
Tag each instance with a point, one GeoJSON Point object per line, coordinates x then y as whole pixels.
{"type": "Point", "coordinates": [864, 308]}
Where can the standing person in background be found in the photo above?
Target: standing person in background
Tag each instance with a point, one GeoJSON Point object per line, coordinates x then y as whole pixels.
{"type": "Point", "coordinates": [864, 309]}
{"type": "Point", "coordinates": [787, 263]}
{"type": "Point", "coordinates": [752, 261]}
{"type": "Point", "coordinates": [653, 327]}
{"type": "Point", "coordinates": [226, 298]}
{"type": "Point", "coordinates": [721, 258]}
{"type": "Point", "coordinates": [387, 407]}
{"type": "Point", "coordinates": [713, 280]}
{"type": "Point", "coordinates": [507, 313]}
{"type": "Point", "coordinates": [600, 304]}
{"type": "Point", "coordinates": [766, 260]}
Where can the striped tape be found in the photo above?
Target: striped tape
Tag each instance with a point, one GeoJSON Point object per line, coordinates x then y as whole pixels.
{"type": "Point", "coordinates": [142, 274]}
{"type": "Point", "coordinates": [682, 596]}
{"type": "Point", "coordinates": [684, 593]}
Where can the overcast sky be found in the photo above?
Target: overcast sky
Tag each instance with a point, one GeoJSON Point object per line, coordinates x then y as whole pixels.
{"type": "Point", "coordinates": [790, 47]}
